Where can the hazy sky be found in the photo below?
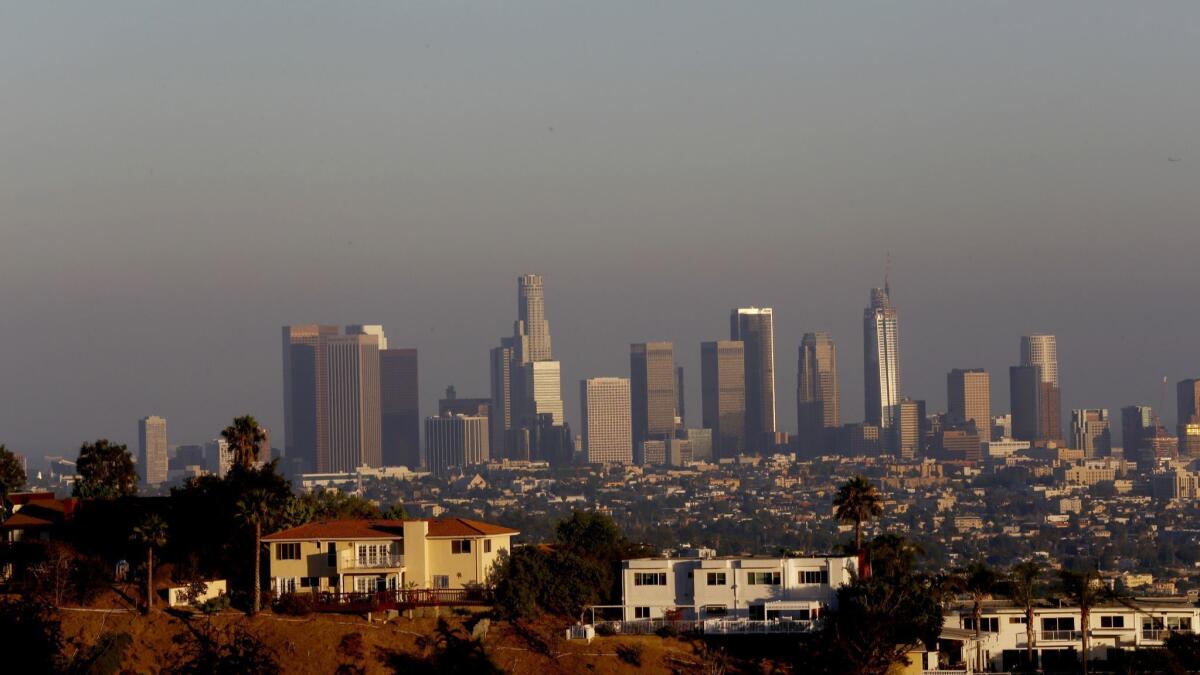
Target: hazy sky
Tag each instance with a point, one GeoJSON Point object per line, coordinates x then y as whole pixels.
{"type": "Point", "coordinates": [178, 180]}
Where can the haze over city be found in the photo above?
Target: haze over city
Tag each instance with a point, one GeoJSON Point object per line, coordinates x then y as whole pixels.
{"type": "Point", "coordinates": [179, 182]}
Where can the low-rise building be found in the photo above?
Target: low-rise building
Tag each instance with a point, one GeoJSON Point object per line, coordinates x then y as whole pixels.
{"type": "Point", "coordinates": [375, 555]}
{"type": "Point", "coordinates": [699, 588]}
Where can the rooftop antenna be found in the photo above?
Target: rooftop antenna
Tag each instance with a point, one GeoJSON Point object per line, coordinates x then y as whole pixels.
{"type": "Point", "coordinates": [887, 272]}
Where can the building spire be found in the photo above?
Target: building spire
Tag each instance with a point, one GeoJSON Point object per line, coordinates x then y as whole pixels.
{"type": "Point", "coordinates": [887, 272]}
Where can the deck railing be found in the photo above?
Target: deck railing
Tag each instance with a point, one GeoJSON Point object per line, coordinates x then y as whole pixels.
{"type": "Point", "coordinates": [706, 627]}
{"type": "Point", "coordinates": [400, 599]}
{"type": "Point", "coordinates": [353, 562]}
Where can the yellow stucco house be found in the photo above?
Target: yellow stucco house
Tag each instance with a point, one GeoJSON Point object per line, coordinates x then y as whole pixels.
{"type": "Point", "coordinates": [375, 555]}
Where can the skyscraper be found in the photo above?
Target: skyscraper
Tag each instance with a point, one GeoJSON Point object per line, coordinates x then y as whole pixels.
{"type": "Point", "coordinates": [354, 408]}
{"type": "Point", "coordinates": [910, 428]}
{"type": "Point", "coordinates": [1187, 400]}
{"type": "Point", "coordinates": [755, 328]}
{"type": "Point", "coordinates": [531, 316]}
{"type": "Point", "coordinates": [369, 329]}
{"type": "Point", "coordinates": [652, 390]}
{"type": "Point", "coordinates": [881, 361]}
{"type": "Point", "coordinates": [607, 428]}
{"type": "Point", "coordinates": [1137, 426]}
{"type": "Point", "coordinates": [1036, 399]}
{"type": "Point", "coordinates": [399, 403]}
{"type": "Point", "coordinates": [818, 399]}
{"type": "Point", "coordinates": [502, 359]}
{"type": "Point", "coordinates": [543, 391]}
{"type": "Point", "coordinates": [1090, 432]}
{"type": "Point", "coordinates": [306, 394]}
{"type": "Point", "coordinates": [680, 410]}
{"type": "Point", "coordinates": [723, 395]}
{"type": "Point", "coordinates": [152, 450]}
{"type": "Point", "coordinates": [455, 441]}
{"type": "Point", "coordinates": [969, 401]}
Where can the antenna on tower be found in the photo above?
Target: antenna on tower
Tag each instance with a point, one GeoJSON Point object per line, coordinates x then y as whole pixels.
{"type": "Point", "coordinates": [887, 272]}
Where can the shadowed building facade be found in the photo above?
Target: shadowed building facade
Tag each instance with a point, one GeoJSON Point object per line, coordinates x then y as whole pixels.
{"type": "Point", "coordinates": [1090, 432]}
{"type": "Point", "coordinates": [818, 399]}
{"type": "Point", "coordinates": [652, 390]}
{"type": "Point", "coordinates": [399, 401]}
{"type": "Point", "coordinates": [723, 395]}
{"type": "Point", "coordinates": [306, 395]}
{"type": "Point", "coordinates": [755, 328]}
{"type": "Point", "coordinates": [354, 409]}
{"type": "Point", "coordinates": [1187, 400]}
{"type": "Point", "coordinates": [881, 363]}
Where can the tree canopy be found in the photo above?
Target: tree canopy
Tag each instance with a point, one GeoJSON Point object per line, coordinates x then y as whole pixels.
{"type": "Point", "coordinates": [12, 474]}
{"type": "Point", "coordinates": [245, 437]}
{"type": "Point", "coordinates": [105, 471]}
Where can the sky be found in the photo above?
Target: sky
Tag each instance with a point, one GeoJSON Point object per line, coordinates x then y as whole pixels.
{"type": "Point", "coordinates": [179, 180]}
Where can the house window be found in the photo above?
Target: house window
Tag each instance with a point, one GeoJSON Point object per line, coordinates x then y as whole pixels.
{"type": "Point", "coordinates": [762, 578]}
{"type": "Point", "coordinates": [441, 581]}
{"type": "Point", "coordinates": [1016, 619]}
{"type": "Point", "coordinates": [814, 577]}
{"type": "Point", "coordinates": [460, 546]}
{"type": "Point", "coordinates": [1112, 621]}
{"type": "Point", "coordinates": [1059, 623]}
{"type": "Point", "coordinates": [716, 610]}
{"type": "Point", "coordinates": [310, 582]}
{"type": "Point", "coordinates": [716, 578]}
{"type": "Point", "coordinates": [487, 545]}
{"type": "Point", "coordinates": [987, 624]}
{"type": "Point", "coordinates": [287, 551]}
{"type": "Point", "coordinates": [649, 578]}
{"type": "Point", "coordinates": [641, 612]}
{"type": "Point", "coordinates": [1180, 623]}
{"type": "Point", "coordinates": [331, 555]}
{"type": "Point", "coordinates": [757, 612]}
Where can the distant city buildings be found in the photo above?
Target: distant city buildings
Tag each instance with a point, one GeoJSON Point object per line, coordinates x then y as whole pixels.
{"type": "Point", "coordinates": [607, 428]}
{"type": "Point", "coordinates": [723, 395]}
{"type": "Point", "coordinates": [352, 362]}
{"type": "Point", "coordinates": [152, 450]}
{"type": "Point", "coordinates": [910, 428]}
{"type": "Point", "coordinates": [1090, 432]}
{"type": "Point", "coordinates": [969, 401]}
{"type": "Point", "coordinates": [652, 390]}
{"type": "Point", "coordinates": [1034, 391]}
{"type": "Point", "coordinates": [1137, 428]}
{"type": "Point", "coordinates": [818, 399]}
{"type": "Point", "coordinates": [455, 441]}
{"type": "Point", "coordinates": [755, 328]}
{"type": "Point", "coordinates": [881, 362]}
{"type": "Point", "coordinates": [399, 403]}
{"type": "Point", "coordinates": [1187, 394]}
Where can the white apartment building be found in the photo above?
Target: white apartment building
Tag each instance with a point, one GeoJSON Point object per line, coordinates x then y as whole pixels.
{"type": "Point", "coordinates": [704, 587]}
{"type": "Point", "coordinates": [1057, 632]}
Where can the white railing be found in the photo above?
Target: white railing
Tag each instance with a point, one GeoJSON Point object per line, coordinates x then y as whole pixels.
{"type": "Point", "coordinates": [707, 627]}
{"type": "Point", "coordinates": [1060, 635]}
{"type": "Point", "coordinates": [351, 561]}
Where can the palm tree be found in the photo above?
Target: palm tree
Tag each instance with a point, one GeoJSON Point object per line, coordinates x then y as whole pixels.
{"type": "Point", "coordinates": [857, 501]}
{"type": "Point", "coordinates": [980, 582]}
{"type": "Point", "coordinates": [1083, 589]}
{"type": "Point", "coordinates": [255, 508]}
{"type": "Point", "coordinates": [151, 532]}
{"type": "Point", "coordinates": [1022, 586]}
{"type": "Point", "coordinates": [245, 437]}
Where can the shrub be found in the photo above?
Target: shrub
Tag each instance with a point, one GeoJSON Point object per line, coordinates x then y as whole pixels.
{"type": "Point", "coordinates": [667, 631]}
{"type": "Point", "coordinates": [605, 630]}
{"type": "Point", "coordinates": [104, 657]}
{"type": "Point", "coordinates": [294, 604]}
{"type": "Point", "coordinates": [214, 605]}
{"type": "Point", "coordinates": [631, 654]}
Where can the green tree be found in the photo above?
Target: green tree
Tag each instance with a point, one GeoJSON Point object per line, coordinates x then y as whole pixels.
{"type": "Point", "coordinates": [105, 471]}
{"type": "Point", "coordinates": [151, 533]}
{"type": "Point", "coordinates": [12, 474]}
{"type": "Point", "coordinates": [245, 437]}
{"type": "Point", "coordinates": [396, 512]}
{"type": "Point", "coordinates": [257, 508]}
{"type": "Point", "coordinates": [1022, 585]}
{"type": "Point", "coordinates": [857, 501]}
{"type": "Point", "coordinates": [1083, 589]}
{"type": "Point", "coordinates": [591, 534]}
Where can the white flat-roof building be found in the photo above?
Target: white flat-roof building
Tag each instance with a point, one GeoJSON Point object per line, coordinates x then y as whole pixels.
{"type": "Point", "coordinates": [700, 588]}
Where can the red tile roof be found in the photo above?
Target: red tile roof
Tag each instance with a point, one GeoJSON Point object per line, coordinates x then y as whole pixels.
{"type": "Point", "coordinates": [386, 529]}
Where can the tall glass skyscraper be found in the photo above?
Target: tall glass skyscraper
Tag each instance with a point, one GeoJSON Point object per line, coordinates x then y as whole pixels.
{"type": "Point", "coordinates": [755, 328]}
{"type": "Point", "coordinates": [818, 401]}
{"type": "Point", "coordinates": [881, 361]}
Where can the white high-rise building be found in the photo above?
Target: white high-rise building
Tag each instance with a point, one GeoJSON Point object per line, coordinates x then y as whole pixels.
{"type": "Point", "coordinates": [1041, 349]}
{"type": "Point", "coordinates": [607, 427]}
{"type": "Point", "coordinates": [354, 409]}
{"type": "Point", "coordinates": [218, 456]}
{"type": "Point", "coordinates": [455, 441]}
{"type": "Point", "coordinates": [543, 389]}
{"type": "Point", "coordinates": [531, 319]}
{"type": "Point", "coordinates": [152, 450]}
{"type": "Point", "coordinates": [881, 356]}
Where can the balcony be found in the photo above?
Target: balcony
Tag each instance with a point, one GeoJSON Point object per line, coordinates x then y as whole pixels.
{"type": "Point", "coordinates": [350, 561]}
{"type": "Point", "coordinates": [1059, 636]}
{"type": "Point", "coordinates": [1161, 634]}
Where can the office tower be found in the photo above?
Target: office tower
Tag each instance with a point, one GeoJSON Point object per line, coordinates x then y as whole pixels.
{"type": "Point", "coordinates": [969, 400]}
{"type": "Point", "coordinates": [1137, 427]}
{"type": "Point", "coordinates": [399, 405]}
{"type": "Point", "coordinates": [531, 316]}
{"type": "Point", "coordinates": [881, 360]}
{"type": "Point", "coordinates": [1002, 427]}
{"type": "Point", "coordinates": [543, 390]}
{"type": "Point", "coordinates": [652, 390]}
{"type": "Point", "coordinates": [607, 428]}
{"type": "Point", "coordinates": [152, 450]}
{"type": "Point", "coordinates": [471, 407]}
{"type": "Point", "coordinates": [910, 428]}
{"type": "Point", "coordinates": [1035, 405]}
{"type": "Point", "coordinates": [1040, 351]}
{"type": "Point", "coordinates": [455, 441]}
{"type": "Point", "coordinates": [305, 394]}
{"type": "Point", "coordinates": [502, 377]}
{"type": "Point", "coordinates": [550, 442]}
{"type": "Point", "coordinates": [702, 444]}
{"type": "Point", "coordinates": [369, 329]}
{"type": "Point", "coordinates": [680, 413]}
{"type": "Point", "coordinates": [187, 455]}
{"type": "Point", "coordinates": [818, 400]}
{"type": "Point", "coordinates": [1090, 433]}
{"type": "Point", "coordinates": [859, 439]}
{"type": "Point", "coordinates": [1187, 400]}
{"type": "Point", "coordinates": [355, 425]}
{"type": "Point", "coordinates": [959, 445]}
{"type": "Point", "coordinates": [723, 395]}
{"type": "Point", "coordinates": [755, 328]}
{"type": "Point", "coordinates": [218, 456]}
